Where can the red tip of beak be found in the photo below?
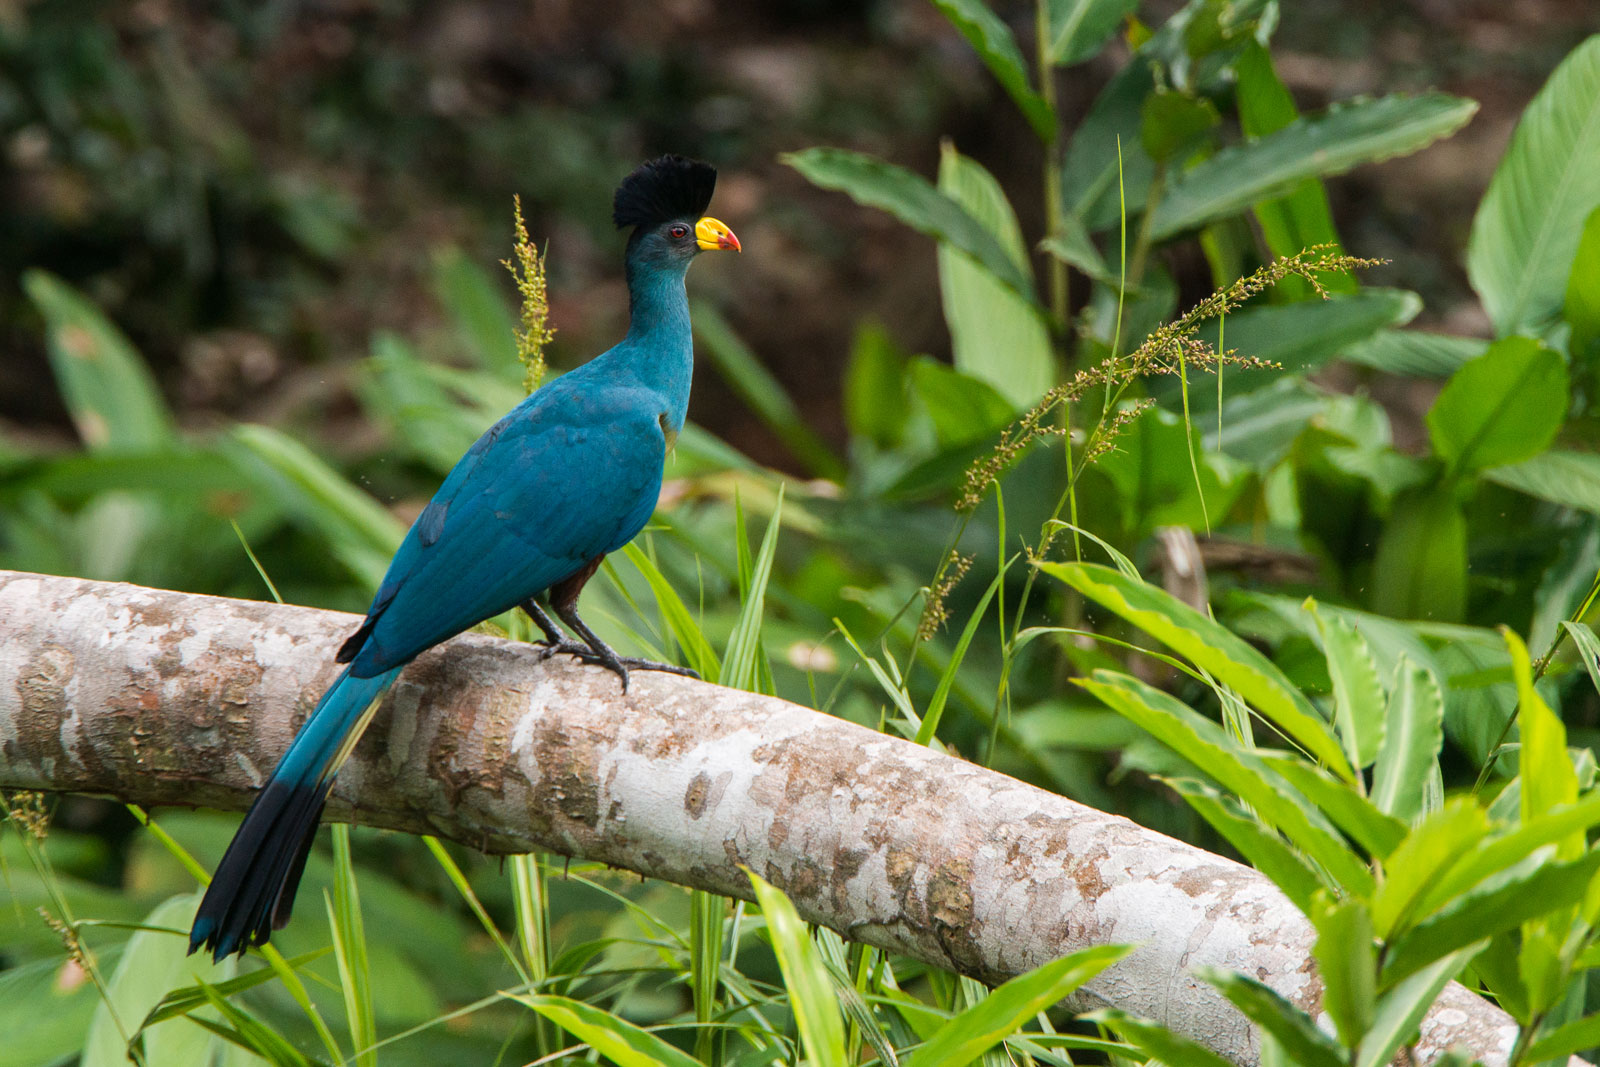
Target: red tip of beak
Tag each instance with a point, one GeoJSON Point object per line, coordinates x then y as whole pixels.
{"type": "Point", "coordinates": [728, 240]}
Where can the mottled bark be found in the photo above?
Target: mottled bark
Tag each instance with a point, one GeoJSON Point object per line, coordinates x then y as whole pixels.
{"type": "Point", "coordinates": [168, 698]}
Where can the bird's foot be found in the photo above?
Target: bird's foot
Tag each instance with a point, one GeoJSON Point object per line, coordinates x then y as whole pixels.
{"type": "Point", "coordinates": [620, 665]}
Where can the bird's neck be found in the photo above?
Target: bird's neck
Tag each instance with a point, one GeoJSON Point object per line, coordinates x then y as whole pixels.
{"type": "Point", "coordinates": [659, 348]}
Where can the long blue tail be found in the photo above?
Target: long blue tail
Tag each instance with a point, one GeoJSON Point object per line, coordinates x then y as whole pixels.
{"type": "Point", "coordinates": [253, 890]}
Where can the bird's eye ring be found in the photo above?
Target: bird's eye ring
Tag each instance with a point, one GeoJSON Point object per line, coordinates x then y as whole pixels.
{"type": "Point", "coordinates": [678, 232]}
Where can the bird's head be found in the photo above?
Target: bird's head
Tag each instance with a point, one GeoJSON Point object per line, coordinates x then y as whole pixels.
{"type": "Point", "coordinates": [665, 201]}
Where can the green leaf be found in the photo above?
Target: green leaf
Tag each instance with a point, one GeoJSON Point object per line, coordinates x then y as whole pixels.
{"type": "Point", "coordinates": [1413, 737]}
{"type": "Point", "coordinates": [613, 1037]}
{"type": "Point", "coordinates": [1361, 131]}
{"type": "Point", "coordinates": [1306, 1045]}
{"type": "Point", "coordinates": [155, 962]}
{"type": "Point", "coordinates": [690, 637]}
{"type": "Point", "coordinates": [1078, 29]}
{"type": "Point", "coordinates": [1358, 697]}
{"type": "Point", "coordinates": [996, 1017]}
{"type": "Point", "coordinates": [1301, 218]}
{"type": "Point", "coordinates": [740, 661]}
{"type": "Point", "coordinates": [1526, 232]}
{"type": "Point", "coordinates": [1568, 478]}
{"type": "Point", "coordinates": [249, 1032]}
{"type": "Point", "coordinates": [995, 45]}
{"type": "Point", "coordinates": [875, 394]}
{"type": "Point", "coordinates": [1348, 963]}
{"type": "Point", "coordinates": [1265, 851]}
{"type": "Point", "coordinates": [1490, 856]}
{"type": "Point", "coordinates": [1501, 408]}
{"type": "Point", "coordinates": [1582, 306]}
{"type": "Point", "coordinates": [1304, 336]}
{"type": "Point", "coordinates": [941, 693]}
{"type": "Point", "coordinates": [1341, 802]}
{"type": "Point", "coordinates": [872, 182]}
{"type": "Point", "coordinates": [1415, 353]}
{"type": "Point", "coordinates": [1564, 1041]}
{"type": "Point", "coordinates": [1526, 892]}
{"type": "Point", "coordinates": [480, 311]}
{"type": "Point", "coordinates": [996, 335]}
{"type": "Point", "coordinates": [1421, 567]}
{"type": "Point", "coordinates": [762, 392]}
{"type": "Point", "coordinates": [1422, 858]}
{"type": "Point", "coordinates": [1545, 769]}
{"type": "Point", "coordinates": [108, 389]}
{"type": "Point", "coordinates": [1155, 1040]}
{"type": "Point", "coordinates": [1588, 648]}
{"type": "Point", "coordinates": [811, 997]}
{"type": "Point", "coordinates": [1402, 1008]}
{"type": "Point", "coordinates": [350, 950]}
{"type": "Point", "coordinates": [1226, 657]}
{"type": "Point", "coordinates": [362, 534]}
{"type": "Point", "coordinates": [1154, 492]}
{"type": "Point", "coordinates": [1104, 159]}
{"type": "Point", "coordinates": [1206, 745]}
{"type": "Point", "coordinates": [963, 409]}
{"type": "Point", "coordinates": [1174, 124]}
{"type": "Point", "coordinates": [1074, 247]}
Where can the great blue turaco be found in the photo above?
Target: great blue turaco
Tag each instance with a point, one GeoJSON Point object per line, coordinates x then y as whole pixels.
{"type": "Point", "coordinates": [568, 476]}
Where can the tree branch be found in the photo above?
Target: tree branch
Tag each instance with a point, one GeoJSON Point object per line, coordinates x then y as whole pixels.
{"type": "Point", "coordinates": [158, 697]}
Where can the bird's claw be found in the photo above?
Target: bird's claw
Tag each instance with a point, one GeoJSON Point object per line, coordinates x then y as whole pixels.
{"type": "Point", "coordinates": [620, 665]}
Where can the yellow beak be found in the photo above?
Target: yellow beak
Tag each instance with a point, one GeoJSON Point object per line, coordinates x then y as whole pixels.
{"type": "Point", "coordinates": [711, 235]}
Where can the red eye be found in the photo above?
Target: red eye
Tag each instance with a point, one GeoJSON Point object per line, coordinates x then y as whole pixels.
{"type": "Point", "coordinates": [679, 232]}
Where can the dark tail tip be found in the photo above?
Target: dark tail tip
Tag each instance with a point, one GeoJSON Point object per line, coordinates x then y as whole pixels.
{"type": "Point", "coordinates": [254, 887]}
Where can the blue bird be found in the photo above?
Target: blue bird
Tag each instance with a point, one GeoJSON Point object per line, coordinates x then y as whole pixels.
{"type": "Point", "coordinates": [571, 474]}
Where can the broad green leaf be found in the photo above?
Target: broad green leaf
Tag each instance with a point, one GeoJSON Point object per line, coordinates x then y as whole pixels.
{"type": "Point", "coordinates": [1292, 1028]}
{"type": "Point", "coordinates": [1414, 734]}
{"type": "Point", "coordinates": [613, 1037]}
{"type": "Point", "coordinates": [1528, 891]}
{"type": "Point", "coordinates": [1415, 353]}
{"type": "Point", "coordinates": [1501, 408]}
{"type": "Point", "coordinates": [1078, 29]}
{"type": "Point", "coordinates": [154, 963]}
{"type": "Point", "coordinates": [108, 389]}
{"type": "Point", "coordinates": [1206, 745]}
{"type": "Point", "coordinates": [1361, 131]}
{"type": "Point", "coordinates": [1104, 160]}
{"type": "Point", "coordinates": [45, 1007]}
{"type": "Point", "coordinates": [480, 311]}
{"type": "Point", "coordinates": [1582, 306]}
{"type": "Point", "coordinates": [996, 46]}
{"type": "Point", "coordinates": [1348, 963]}
{"type": "Point", "coordinates": [1422, 858]}
{"type": "Point", "coordinates": [996, 1017]}
{"type": "Point", "coordinates": [761, 392]}
{"type": "Point", "coordinates": [1545, 769]}
{"type": "Point", "coordinates": [1358, 696]}
{"type": "Point", "coordinates": [811, 996]}
{"type": "Point", "coordinates": [1173, 124]}
{"type": "Point", "coordinates": [1226, 657]}
{"type": "Point", "coordinates": [910, 198]}
{"type": "Point", "coordinates": [1156, 492]}
{"type": "Point", "coordinates": [1421, 567]}
{"type": "Point", "coordinates": [1568, 1040]}
{"type": "Point", "coordinates": [1569, 478]}
{"type": "Point", "coordinates": [1343, 804]}
{"type": "Point", "coordinates": [875, 387]}
{"type": "Point", "coordinates": [1155, 1040]}
{"type": "Point", "coordinates": [1073, 246]}
{"type": "Point", "coordinates": [363, 535]}
{"type": "Point", "coordinates": [1525, 234]}
{"type": "Point", "coordinates": [963, 409]}
{"type": "Point", "coordinates": [1265, 851]}
{"type": "Point", "coordinates": [1403, 1007]}
{"type": "Point", "coordinates": [1301, 218]}
{"type": "Point", "coordinates": [996, 335]}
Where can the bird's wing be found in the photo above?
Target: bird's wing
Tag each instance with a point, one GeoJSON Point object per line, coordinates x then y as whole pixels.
{"type": "Point", "coordinates": [559, 481]}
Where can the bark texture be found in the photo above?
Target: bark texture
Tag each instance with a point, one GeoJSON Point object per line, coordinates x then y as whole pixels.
{"type": "Point", "coordinates": [169, 698]}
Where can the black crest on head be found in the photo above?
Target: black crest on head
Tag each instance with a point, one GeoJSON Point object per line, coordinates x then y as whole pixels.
{"type": "Point", "coordinates": [671, 187]}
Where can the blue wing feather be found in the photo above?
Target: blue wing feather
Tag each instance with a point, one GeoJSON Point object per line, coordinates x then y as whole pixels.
{"type": "Point", "coordinates": [560, 480]}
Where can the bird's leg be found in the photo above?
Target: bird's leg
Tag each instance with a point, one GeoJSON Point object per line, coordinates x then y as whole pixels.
{"type": "Point", "coordinates": [564, 602]}
{"type": "Point", "coordinates": [553, 637]}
